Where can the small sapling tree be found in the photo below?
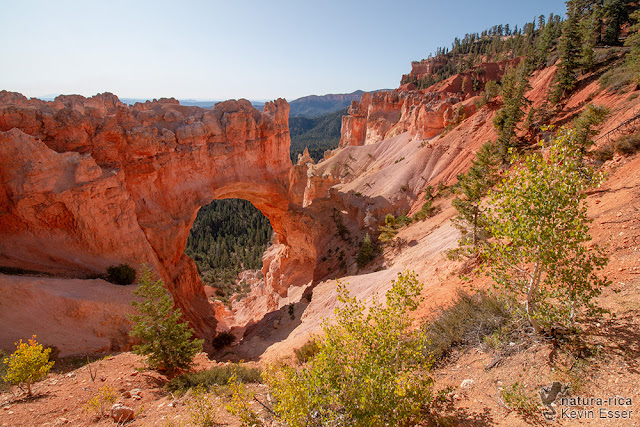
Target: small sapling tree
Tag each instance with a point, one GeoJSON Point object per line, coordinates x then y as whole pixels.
{"type": "Point", "coordinates": [472, 187]}
{"type": "Point", "coordinates": [166, 341]}
{"type": "Point", "coordinates": [28, 364]}
{"type": "Point", "coordinates": [541, 248]}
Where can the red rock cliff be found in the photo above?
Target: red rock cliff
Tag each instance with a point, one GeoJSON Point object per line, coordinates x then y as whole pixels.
{"type": "Point", "coordinates": [90, 182]}
{"type": "Point", "coordinates": [422, 113]}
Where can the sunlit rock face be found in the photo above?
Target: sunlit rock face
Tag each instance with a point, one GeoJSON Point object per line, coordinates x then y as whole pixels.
{"type": "Point", "coordinates": [86, 183]}
{"type": "Point", "coordinates": [423, 113]}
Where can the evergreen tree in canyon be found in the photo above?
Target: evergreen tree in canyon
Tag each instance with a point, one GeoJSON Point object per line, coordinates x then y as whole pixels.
{"type": "Point", "coordinates": [515, 84]}
{"type": "Point", "coordinates": [472, 187]}
{"type": "Point", "coordinates": [570, 47]}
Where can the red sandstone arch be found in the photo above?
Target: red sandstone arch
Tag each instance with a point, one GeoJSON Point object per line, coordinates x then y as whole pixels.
{"type": "Point", "coordinates": [89, 182]}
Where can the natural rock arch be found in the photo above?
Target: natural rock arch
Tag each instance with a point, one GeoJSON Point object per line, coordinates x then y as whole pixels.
{"type": "Point", "coordinates": [91, 182]}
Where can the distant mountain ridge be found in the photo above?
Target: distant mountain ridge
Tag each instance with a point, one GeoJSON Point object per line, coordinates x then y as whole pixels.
{"type": "Point", "coordinates": [319, 105]}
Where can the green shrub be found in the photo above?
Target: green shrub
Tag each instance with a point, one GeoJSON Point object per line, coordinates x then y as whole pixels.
{"type": "Point", "coordinates": [306, 352]}
{"type": "Point", "coordinates": [218, 375]}
{"type": "Point", "coordinates": [517, 399]}
{"type": "Point", "coordinates": [28, 364]}
{"type": "Point", "coordinates": [122, 274]}
{"type": "Point", "coordinates": [222, 340]}
{"type": "Point", "coordinates": [628, 145]}
{"type": "Point", "coordinates": [166, 341]}
{"type": "Point", "coordinates": [603, 153]}
{"type": "Point", "coordinates": [366, 253]}
{"type": "Point", "coordinates": [101, 400]}
{"type": "Point", "coordinates": [466, 321]}
{"type": "Point", "coordinates": [371, 368]}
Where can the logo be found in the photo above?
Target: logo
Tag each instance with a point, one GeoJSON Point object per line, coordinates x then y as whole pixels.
{"type": "Point", "coordinates": [548, 395]}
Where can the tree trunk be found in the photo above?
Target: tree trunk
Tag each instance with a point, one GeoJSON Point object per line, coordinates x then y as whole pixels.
{"type": "Point", "coordinates": [531, 297]}
{"type": "Point", "coordinates": [475, 226]}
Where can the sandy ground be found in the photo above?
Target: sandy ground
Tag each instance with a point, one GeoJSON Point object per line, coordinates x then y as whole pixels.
{"type": "Point", "coordinates": [77, 316]}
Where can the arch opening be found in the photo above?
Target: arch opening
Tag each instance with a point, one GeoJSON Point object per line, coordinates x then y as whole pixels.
{"type": "Point", "coordinates": [227, 238]}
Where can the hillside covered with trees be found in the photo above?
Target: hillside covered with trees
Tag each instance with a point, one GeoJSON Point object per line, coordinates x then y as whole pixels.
{"type": "Point", "coordinates": [228, 236]}
{"type": "Point", "coordinates": [318, 134]}
{"type": "Point", "coordinates": [314, 106]}
{"type": "Point", "coordinates": [587, 25]}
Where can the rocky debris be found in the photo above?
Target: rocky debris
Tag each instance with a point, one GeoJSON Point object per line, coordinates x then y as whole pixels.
{"type": "Point", "coordinates": [135, 394]}
{"type": "Point", "coordinates": [121, 413]}
{"type": "Point", "coordinates": [466, 383]}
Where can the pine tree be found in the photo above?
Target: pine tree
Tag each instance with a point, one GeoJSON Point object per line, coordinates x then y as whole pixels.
{"type": "Point", "coordinates": [473, 186]}
{"type": "Point", "coordinates": [515, 84]}
{"type": "Point", "coordinates": [615, 13]}
{"type": "Point", "coordinates": [544, 44]}
{"type": "Point", "coordinates": [565, 80]}
{"type": "Point", "coordinates": [633, 41]}
{"type": "Point", "coordinates": [587, 123]}
{"type": "Point", "coordinates": [590, 29]}
{"type": "Point", "coordinates": [166, 341]}
{"type": "Point", "coordinates": [366, 253]}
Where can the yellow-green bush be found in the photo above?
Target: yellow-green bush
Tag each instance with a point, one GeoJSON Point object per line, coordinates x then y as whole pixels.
{"type": "Point", "coordinates": [28, 364]}
{"type": "Point", "coordinates": [371, 368]}
{"type": "Point", "coordinates": [101, 400]}
{"type": "Point", "coordinates": [240, 405]}
{"type": "Point", "coordinates": [215, 376]}
{"type": "Point", "coordinates": [201, 410]}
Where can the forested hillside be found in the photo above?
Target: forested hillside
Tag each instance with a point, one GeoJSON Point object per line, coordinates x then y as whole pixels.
{"type": "Point", "coordinates": [313, 106]}
{"type": "Point", "coordinates": [588, 24]}
{"type": "Point", "coordinates": [228, 236]}
{"type": "Point", "coordinates": [318, 134]}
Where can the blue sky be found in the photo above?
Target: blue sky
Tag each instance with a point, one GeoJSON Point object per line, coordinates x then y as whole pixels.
{"type": "Point", "coordinates": [234, 48]}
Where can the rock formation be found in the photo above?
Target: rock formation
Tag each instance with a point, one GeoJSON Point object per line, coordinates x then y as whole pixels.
{"type": "Point", "coordinates": [383, 115]}
{"type": "Point", "coordinates": [422, 113]}
{"type": "Point", "coordinates": [425, 67]}
{"type": "Point", "coordinates": [90, 182]}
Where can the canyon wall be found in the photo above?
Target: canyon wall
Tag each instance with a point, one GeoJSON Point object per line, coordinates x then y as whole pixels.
{"type": "Point", "coordinates": [383, 115]}
{"type": "Point", "coordinates": [87, 183]}
{"type": "Point", "coordinates": [425, 67]}
{"type": "Point", "coordinates": [423, 113]}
